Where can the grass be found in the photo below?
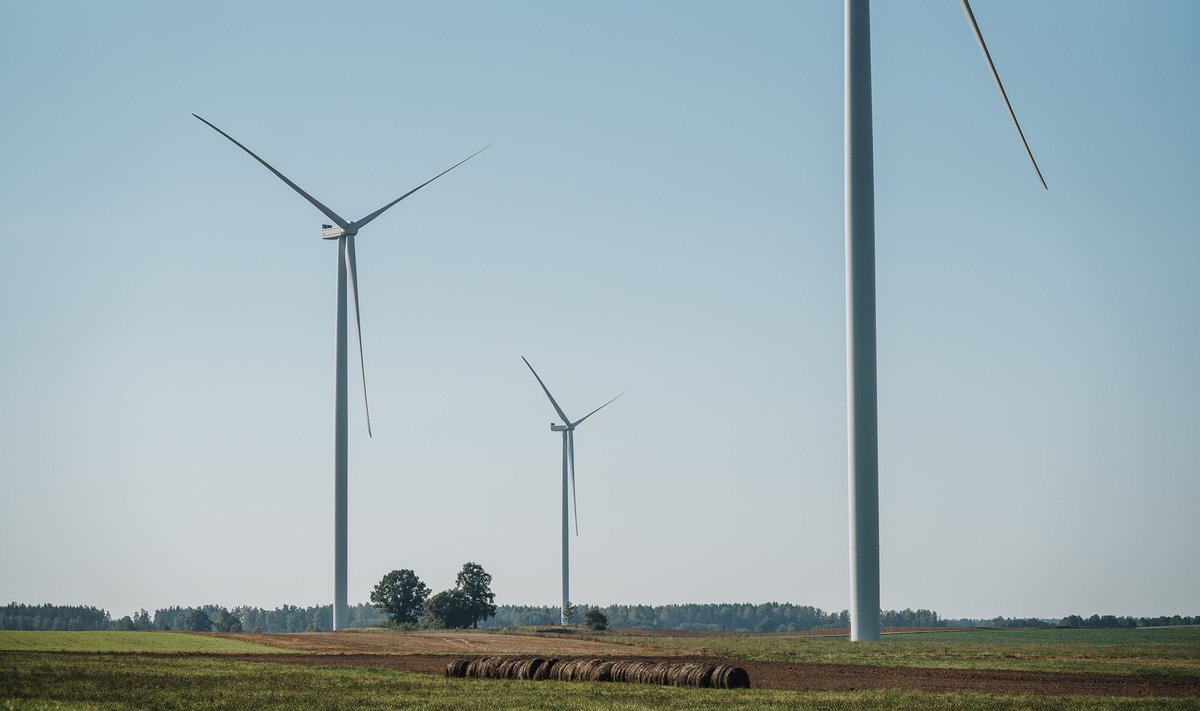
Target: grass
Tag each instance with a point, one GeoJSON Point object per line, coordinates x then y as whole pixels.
{"type": "Point", "coordinates": [1139, 637]}
{"type": "Point", "coordinates": [127, 642]}
{"type": "Point", "coordinates": [1133, 651]}
{"type": "Point", "coordinates": [33, 680]}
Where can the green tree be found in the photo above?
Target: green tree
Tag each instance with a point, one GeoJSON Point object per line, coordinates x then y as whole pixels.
{"type": "Point", "coordinates": [449, 609]}
{"type": "Point", "coordinates": [197, 621]}
{"type": "Point", "coordinates": [476, 583]}
{"type": "Point", "coordinates": [595, 619]}
{"type": "Point", "coordinates": [400, 595]}
{"type": "Point", "coordinates": [227, 622]}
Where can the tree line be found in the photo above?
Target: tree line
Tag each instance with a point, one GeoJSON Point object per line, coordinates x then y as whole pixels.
{"type": "Point", "coordinates": [714, 617]}
{"type": "Point", "coordinates": [1113, 621]}
{"type": "Point", "coordinates": [743, 617]}
{"type": "Point", "coordinates": [287, 618]}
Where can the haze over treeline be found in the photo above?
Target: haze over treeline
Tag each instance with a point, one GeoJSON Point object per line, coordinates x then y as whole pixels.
{"type": "Point", "coordinates": [713, 617]}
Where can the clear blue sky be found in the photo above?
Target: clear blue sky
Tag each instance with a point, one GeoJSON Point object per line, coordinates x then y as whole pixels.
{"type": "Point", "coordinates": [661, 214]}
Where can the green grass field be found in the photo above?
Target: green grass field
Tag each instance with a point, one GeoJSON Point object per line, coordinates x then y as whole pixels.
{"type": "Point", "coordinates": [127, 642]}
{"type": "Point", "coordinates": [1168, 650]}
{"type": "Point", "coordinates": [115, 682]}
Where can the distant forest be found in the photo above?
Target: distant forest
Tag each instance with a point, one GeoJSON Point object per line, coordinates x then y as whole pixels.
{"type": "Point", "coordinates": [287, 618]}
{"type": "Point", "coordinates": [746, 617]}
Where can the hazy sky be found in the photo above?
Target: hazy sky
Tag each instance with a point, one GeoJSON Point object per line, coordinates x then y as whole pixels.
{"type": "Point", "coordinates": [661, 214]}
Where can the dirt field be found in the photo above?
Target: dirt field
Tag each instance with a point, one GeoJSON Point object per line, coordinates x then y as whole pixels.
{"type": "Point", "coordinates": [428, 652]}
{"type": "Point", "coordinates": [462, 643]}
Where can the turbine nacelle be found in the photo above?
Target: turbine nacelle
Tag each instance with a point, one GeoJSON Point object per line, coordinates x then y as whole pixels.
{"type": "Point", "coordinates": [555, 427]}
{"type": "Point", "coordinates": [331, 232]}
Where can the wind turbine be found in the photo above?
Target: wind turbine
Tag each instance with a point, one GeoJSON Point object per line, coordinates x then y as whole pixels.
{"type": "Point", "coordinates": [568, 457]}
{"type": "Point", "coordinates": [860, 312]}
{"type": "Point", "coordinates": [347, 269]}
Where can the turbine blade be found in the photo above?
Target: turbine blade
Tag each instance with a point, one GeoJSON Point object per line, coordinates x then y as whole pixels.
{"type": "Point", "coordinates": [598, 409]}
{"type": "Point", "coordinates": [363, 222]}
{"type": "Point", "coordinates": [574, 502]}
{"type": "Point", "coordinates": [566, 420]}
{"type": "Point", "coordinates": [966, 6]}
{"type": "Point", "coordinates": [352, 268]}
{"type": "Point", "coordinates": [337, 220]}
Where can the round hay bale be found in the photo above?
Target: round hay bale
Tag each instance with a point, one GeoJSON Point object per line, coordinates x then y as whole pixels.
{"type": "Point", "coordinates": [625, 671]}
{"type": "Point", "coordinates": [457, 668]}
{"type": "Point", "coordinates": [543, 672]}
{"type": "Point", "coordinates": [584, 670]}
{"type": "Point", "coordinates": [602, 671]}
{"type": "Point", "coordinates": [484, 668]}
{"type": "Point", "coordinates": [563, 670]}
{"type": "Point", "coordinates": [594, 670]}
{"type": "Point", "coordinates": [617, 671]}
{"type": "Point", "coordinates": [507, 669]}
{"type": "Point", "coordinates": [738, 678]}
{"type": "Point", "coordinates": [472, 669]}
{"type": "Point", "coordinates": [718, 676]}
{"type": "Point", "coordinates": [644, 674]}
{"type": "Point", "coordinates": [492, 668]}
{"type": "Point", "coordinates": [527, 668]}
{"type": "Point", "coordinates": [681, 674]}
{"type": "Point", "coordinates": [691, 675]}
{"type": "Point", "coordinates": [661, 674]}
{"type": "Point", "coordinates": [727, 676]}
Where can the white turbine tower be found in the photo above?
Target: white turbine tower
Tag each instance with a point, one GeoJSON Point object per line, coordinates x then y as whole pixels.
{"type": "Point", "coordinates": [347, 269]}
{"type": "Point", "coordinates": [568, 458]}
{"type": "Point", "coordinates": [860, 313]}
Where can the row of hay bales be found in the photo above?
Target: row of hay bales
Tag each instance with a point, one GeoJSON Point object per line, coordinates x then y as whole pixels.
{"type": "Point", "coordinates": [714, 676]}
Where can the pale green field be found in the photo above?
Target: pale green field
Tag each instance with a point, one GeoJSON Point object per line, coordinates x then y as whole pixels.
{"type": "Point", "coordinates": [19, 641]}
{"type": "Point", "coordinates": [117, 682]}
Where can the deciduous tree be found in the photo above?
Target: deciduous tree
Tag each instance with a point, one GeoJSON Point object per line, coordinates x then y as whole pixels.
{"type": "Point", "coordinates": [449, 609]}
{"type": "Point", "coordinates": [476, 584]}
{"type": "Point", "coordinates": [400, 595]}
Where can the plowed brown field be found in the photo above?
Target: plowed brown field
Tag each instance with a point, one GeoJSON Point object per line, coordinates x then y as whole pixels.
{"type": "Point", "coordinates": [429, 652]}
{"type": "Point", "coordinates": [464, 643]}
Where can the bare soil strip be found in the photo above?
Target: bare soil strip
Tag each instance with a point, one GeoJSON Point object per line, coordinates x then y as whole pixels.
{"type": "Point", "coordinates": [798, 677]}
{"type": "Point", "coordinates": [465, 643]}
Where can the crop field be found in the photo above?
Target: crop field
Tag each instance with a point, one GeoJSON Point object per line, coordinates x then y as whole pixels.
{"type": "Point", "coordinates": [988, 669]}
{"type": "Point", "coordinates": [160, 642]}
{"type": "Point", "coordinates": [463, 642]}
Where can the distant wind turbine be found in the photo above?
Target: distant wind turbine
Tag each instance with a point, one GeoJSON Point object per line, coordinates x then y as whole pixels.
{"type": "Point", "coordinates": [860, 312]}
{"type": "Point", "coordinates": [347, 268]}
{"type": "Point", "coordinates": [568, 458]}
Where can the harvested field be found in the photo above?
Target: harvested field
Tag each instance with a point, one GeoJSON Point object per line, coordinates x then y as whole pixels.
{"type": "Point", "coordinates": [458, 642]}
{"type": "Point", "coordinates": [1161, 669]}
{"type": "Point", "coordinates": [1121, 665]}
{"type": "Point", "coordinates": [809, 677]}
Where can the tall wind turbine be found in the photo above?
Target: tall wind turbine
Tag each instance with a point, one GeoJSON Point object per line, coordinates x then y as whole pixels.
{"type": "Point", "coordinates": [568, 458]}
{"type": "Point", "coordinates": [860, 312]}
{"type": "Point", "coordinates": [347, 269]}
